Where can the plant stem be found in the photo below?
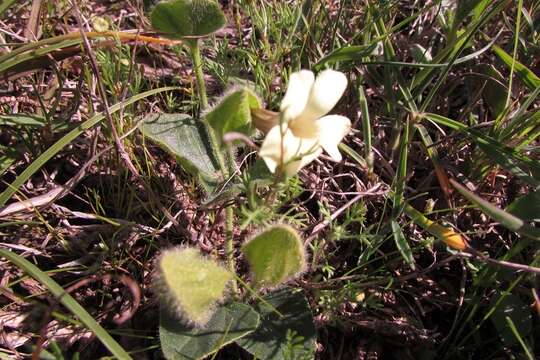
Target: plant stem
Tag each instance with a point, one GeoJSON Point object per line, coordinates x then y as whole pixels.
{"type": "Point", "coordinates": [225, 170]}
{"type": "Point", "coordinates": [229, 227]}
{"type": "Point", "coordinates": [199, 75]}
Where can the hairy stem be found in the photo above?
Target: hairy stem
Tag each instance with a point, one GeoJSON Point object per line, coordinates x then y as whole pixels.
{"type": "Point", "coordinates": [226, 170]}
{"type": "Point", "coordinates": [199, 75]}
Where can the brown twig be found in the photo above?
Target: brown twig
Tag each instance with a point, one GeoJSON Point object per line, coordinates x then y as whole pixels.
{"type": "Point", "coordinates": [501, 263]}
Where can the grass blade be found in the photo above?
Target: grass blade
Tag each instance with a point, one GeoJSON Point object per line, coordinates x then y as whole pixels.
{"type": "Point", "coordinates": [4, 5]}
{"type": "Point", "coordinates": [506, 219]}
{"type": "Point", "coordinates": [525, 74]}
{"type": "Point", "coordinates": [68, 301]}
{"type": "Point", "coordinates": [402, 244]}
{"type": "Point", "coordinates": [521, 166]}
{"type": "Point", "coordinates": [66, 139]}
{"type": "Point", "coordinates": [366, 129]}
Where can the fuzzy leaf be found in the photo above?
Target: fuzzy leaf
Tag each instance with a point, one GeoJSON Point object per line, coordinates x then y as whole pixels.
{"type": "Point", "coordinates": [187, 140]}
{"type": "Point", "coordinates": [187, 18]}
{"type": "Point", "coordinates": [510, 306]}
{"type": "Point", "coordinates": [275, 255]}
{"type": "Point", "coordinates": [194, 284]}
{"type": "Point", "coordinates": [229, 323]}
{"type": "Point", "coordinates": [289, 337]}
{"type": "Point", "coordinates": [233, 113]}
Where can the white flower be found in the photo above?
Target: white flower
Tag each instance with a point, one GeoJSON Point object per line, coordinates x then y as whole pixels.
{"type": "Point", "coordinates": [305, 130]}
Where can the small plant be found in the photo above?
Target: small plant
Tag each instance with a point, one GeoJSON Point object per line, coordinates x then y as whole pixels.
{"type": "Point", "coordinates": [196, 316]}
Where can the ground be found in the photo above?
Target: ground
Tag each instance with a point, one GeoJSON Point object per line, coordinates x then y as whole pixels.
{"type": "Point", "coordinates": [96, 213]}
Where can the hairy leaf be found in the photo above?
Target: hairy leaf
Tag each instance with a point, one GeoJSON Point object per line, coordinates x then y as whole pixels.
{"type": "Point", "coordinates": [290, 336]}
{"type": "Point", "coordinates": [182, 342]}
{"type": "Point", "coordinates": [193, 284]}
{"type": "Point", "coordinates": [187, 18]}
{"type": "Point", "coordinates": [275, 255]}
{"type": "Point", "coordinates": [187, 140]}
{"type": "Point", "coordinates": [233, 113]}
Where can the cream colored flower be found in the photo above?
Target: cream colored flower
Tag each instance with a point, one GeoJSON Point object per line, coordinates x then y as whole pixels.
{"type": "Point", "coordinates": [305, 130]}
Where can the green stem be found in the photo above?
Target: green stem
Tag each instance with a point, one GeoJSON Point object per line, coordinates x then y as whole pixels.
{"type": "Point", "coordinates": [229, 228]}
{"type": "Point", "coordinates": [225, 171]}
{"type": "Point", "coordinates": [201, 89]}
{"type": "Point", "coordinates": [199, 75]}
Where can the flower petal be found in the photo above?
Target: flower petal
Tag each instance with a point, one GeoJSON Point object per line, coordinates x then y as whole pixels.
{"type": "Point", "coordinates": [271, 148]}
{"type": "Point", "coordinates": [297, 152]}
{"type": "Point", "coordinates": [325, 93]}
{"type": "Point", "coordinates": [296, 97]}
{"type": "Point", "coordinates": [332, 129]}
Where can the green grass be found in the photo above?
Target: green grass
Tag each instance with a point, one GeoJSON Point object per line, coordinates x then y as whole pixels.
{"type": "Point", "coordinates": [465, 112]}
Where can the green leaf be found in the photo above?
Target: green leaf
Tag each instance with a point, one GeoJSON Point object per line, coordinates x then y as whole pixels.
{"type": "Point", "coordinates": [275, 255]}
{"type": "Point", "coordinates": [464, 8]}
{"type": "Point", "coordinates": [291, 336]}
{"type": "Point", "coordinates": [530, 79]}
{"type": "Point", "coordinates": [402, 244]}
{"type": "Point", "coordinates": [526, 207]}
{"type": "Point", "coordinates": [23, 120]}
{"type": "Point", "coordinates": [347, 53]}
{"type": "Point", "coordinates": [233, 113]}
{"type": "Point", "coordinates": [187, 18]}
{"type": "Point", "coordinates": [229, 323]}
{"type": "Point", "coordinates": [506, 219]}
{"type": "Point", "coordinates": [509, 305]}
{"type": "Point", "coordinates": [7, 157]}
{"type": "Point", "coordinates": [68, 301]}
{"type": "Point", "coordinates": [187, 140]}
{"type": "Point", "coordinates": [193, 284]}
{"type": "Point", "coordinates": [32, 120]}
{"type": "Point", "coordinates": [4, 4]}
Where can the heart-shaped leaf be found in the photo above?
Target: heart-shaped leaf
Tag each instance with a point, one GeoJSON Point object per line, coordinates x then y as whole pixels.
{"type": "Point", "coordinates": [290, 336]}
{"type": "Point", "coordinates": [192, 283]}
{"type": "Point", "coordinates": [187, 140]}
{"type": "Point", "coordinates": [229, 323]}
{"type": "Point", "coordinates": [233, 113]}
{"type": "Point", "coordinates": [275, 255]}
{"type": "Point", "coordinates": [187, 18]}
